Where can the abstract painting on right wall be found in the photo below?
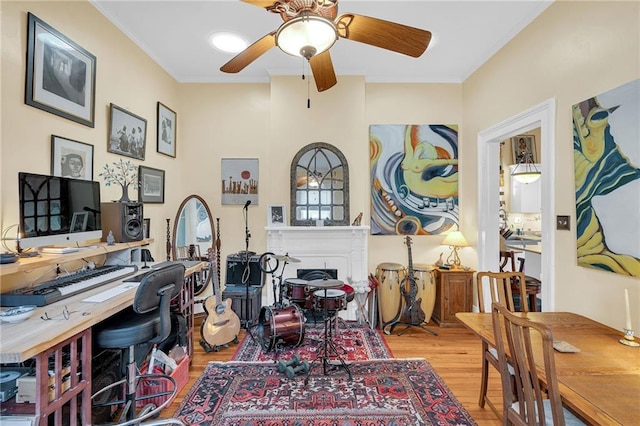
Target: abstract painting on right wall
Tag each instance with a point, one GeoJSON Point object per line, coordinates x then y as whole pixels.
{"type": "Point", "coordinates": [606, 152]}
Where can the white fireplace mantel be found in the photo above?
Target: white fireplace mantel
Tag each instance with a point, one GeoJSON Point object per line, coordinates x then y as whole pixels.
{"type": "Point", "coordinates": [321, 247]}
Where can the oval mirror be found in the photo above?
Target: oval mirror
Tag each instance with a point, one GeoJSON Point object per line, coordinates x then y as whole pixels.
{"type": "Point", "coordinates": [193, 236]}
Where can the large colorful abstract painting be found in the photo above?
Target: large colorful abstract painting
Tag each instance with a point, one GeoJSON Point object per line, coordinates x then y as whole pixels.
{"type": "Point", "coordinates": [606, 151]}
{"type": "Point", "coordinates": [414, 179]}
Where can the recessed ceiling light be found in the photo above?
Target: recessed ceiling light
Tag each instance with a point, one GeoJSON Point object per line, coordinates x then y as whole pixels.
{"type": "Point", "coordinates": [228, 42]}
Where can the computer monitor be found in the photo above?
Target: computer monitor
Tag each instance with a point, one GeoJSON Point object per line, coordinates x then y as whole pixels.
{"type": "Point", "coordinates": [57, 211]}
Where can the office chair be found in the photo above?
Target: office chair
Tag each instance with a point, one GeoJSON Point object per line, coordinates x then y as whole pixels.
{"type": "Point", "coordinates": [500, 288]}
{"type": "Point", "coordinates": [531, 406]}
{"type": "Point", "coordinates": [146, 322]}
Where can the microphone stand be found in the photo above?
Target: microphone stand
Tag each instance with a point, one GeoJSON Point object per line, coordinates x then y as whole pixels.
{"type": "Point", "coordinates": [248, 322]}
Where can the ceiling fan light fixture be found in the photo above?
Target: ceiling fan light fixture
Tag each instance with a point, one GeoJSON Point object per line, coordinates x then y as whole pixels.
{"type": "Point", "coordinates": [306, 36]}
{"type": "Point", "coordinates": [228, 42]}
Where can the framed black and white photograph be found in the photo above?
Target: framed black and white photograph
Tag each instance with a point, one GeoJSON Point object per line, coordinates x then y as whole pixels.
{"type": "Point", "coordinates": [127, 133]}
{"type": "Point", "coordinates": [61, 75]}
{"type": "Point", "coordinates": [276, 215]}
{"type": "Point", "coordinates": [79, 221]}
{"type": "Point", "coordinates": [167, 130]}
{"type": "Point", "coordinates": [146, 226]}
{"type": "Point", "coordinates": [150, 185]}
{"type": "Point", "coordinates": [523, 147]}
{"type": "Point", "coordinates": [71, 158]}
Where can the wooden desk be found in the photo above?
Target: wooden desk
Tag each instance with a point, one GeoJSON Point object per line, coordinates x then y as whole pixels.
{"type": "Point", "coordinates": [602, 382]}
{"type": "Point", "coordinates": [49, 340]}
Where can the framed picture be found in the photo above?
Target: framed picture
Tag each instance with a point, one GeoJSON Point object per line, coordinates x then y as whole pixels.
{"type": "Point", "coordinates": [239, 178]}
{"type": "Point", "coordinates": [79, 221]}
{"type": "Point", "coordinates": [276, 215]}
{"type": "Point", "coordinates": [167, 123]}
{"type": "Point", "coordinates": [146, 226]}
{"type": "Point", "coordinates": [127, 133]}
{"type": "Point", "coordinates": [523, 146]}
{"type": "Point", "coordinates": [71, 158]}
{"type": "Point", "coordinates": [150, 185]}
{"type": "Point", "coordinates": [61, 75]}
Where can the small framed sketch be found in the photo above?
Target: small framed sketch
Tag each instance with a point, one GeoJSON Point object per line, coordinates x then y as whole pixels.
{"type": "Point", "coordinates": [71, 158]}
{"type": "Point", "coordinates": [127, 133]}
{"type": "Point", "coordinates": [276, 215]}
{"type": "Point", "coordinates": [167, 123]}
{"type": "Point", "coordinates": [524, 146]}
{"type": "Point", "coordinates": [79, 221]}
{"type": "Point", "coordinates": [61, 75]}
{"type": "Point", "coordinates": [150, 185]}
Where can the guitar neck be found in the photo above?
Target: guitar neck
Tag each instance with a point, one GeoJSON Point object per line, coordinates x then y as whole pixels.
{"type": "Point", "coordinates": [410, 256]}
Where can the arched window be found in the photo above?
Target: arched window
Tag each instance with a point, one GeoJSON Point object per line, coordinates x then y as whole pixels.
{"type": "Point", "coordinates": [319, 186]}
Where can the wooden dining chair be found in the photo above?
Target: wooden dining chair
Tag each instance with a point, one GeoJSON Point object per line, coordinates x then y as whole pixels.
{"type": "Point", "coordinates": [500, 286]}
{"type": "Point", "coordinates": [533, 285]}
{"type": "Point", "coordinates": [535, 404]}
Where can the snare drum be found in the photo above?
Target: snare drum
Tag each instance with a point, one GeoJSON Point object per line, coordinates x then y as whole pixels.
{"type": "Point", "coordinates": [297, 291]}
{"type": "Point", "coordinates": [350, 293]}
{"type": "Point", "coordinates": [280, 327]}
{"type": "Point", "coordinates": [334, 300]}
{"type": "Point", "coordinates": [389, 275]}
{"type": "Point", "coordinates": [425, 281]}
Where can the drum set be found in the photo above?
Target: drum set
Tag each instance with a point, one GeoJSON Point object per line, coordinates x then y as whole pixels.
{"type": "Point", "coordinates": [297, 301]}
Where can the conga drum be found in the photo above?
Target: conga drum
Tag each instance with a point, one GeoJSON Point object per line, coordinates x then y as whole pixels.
{"type": "Point", "coordinates": [425, 281]}
{"type": "Point", "coordinates": [389, 275]}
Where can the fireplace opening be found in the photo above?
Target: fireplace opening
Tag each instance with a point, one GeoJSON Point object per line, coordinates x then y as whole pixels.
{"type": "Point", "coordinates": [317, 274]}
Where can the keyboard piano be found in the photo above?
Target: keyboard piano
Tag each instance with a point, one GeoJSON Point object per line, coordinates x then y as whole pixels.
{"type": "Point", "coordinates": [66, 286]}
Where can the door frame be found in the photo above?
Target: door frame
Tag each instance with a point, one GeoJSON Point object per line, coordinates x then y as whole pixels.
{"type": "Point", "coordinates": [542, 115]}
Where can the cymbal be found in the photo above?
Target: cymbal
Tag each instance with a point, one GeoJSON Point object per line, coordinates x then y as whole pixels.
{"type": "Point", "coordinates": [326, 283]}
{"type": "Point", "coordinates": [287, 258]}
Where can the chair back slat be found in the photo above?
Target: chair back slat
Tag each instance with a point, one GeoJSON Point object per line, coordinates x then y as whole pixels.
{"type": "Point", "coordinates": [526, 342]}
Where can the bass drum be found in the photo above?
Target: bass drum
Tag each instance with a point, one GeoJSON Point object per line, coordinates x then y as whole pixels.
{"type": "Point", "coordinates": [283, 326]}
{"type": "Point", "coordinates": [425, 280]}
{"type": "Point", "coordinates": [389, 275]}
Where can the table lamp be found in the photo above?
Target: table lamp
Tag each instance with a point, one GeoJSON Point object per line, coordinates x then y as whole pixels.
{"type": "Point", "coordinates": [454, 240]}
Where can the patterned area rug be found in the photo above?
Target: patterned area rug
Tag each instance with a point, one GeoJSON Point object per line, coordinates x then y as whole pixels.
{"type": "Point", "coordinates": [382, 392]}
{"type": "Point", "coordinates": [353, 342]}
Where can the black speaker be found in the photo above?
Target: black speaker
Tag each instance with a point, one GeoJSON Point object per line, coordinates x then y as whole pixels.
{"type": "Point", "coordinates": [236, 266]}
{"type": "Point", "coordinates": [124, 220]}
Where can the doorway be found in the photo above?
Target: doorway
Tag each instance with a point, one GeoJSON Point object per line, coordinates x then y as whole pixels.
{"type": "Point", "coordinates": [543, 116]}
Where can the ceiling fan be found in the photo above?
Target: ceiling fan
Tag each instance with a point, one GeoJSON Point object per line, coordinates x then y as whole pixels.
{"type": "Point", "coordinates": [311, 27]}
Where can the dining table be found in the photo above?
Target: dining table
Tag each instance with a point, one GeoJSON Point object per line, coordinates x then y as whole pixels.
{"type": "Point", "coordinates": [600, 382]}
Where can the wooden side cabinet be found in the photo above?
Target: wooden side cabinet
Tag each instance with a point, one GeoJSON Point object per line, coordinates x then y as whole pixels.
{"type": "Point", "coordinates": [454, 293]}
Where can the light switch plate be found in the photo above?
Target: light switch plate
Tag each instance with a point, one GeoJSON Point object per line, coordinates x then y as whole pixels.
{"type": "Point", "coordinates": [562, 223]}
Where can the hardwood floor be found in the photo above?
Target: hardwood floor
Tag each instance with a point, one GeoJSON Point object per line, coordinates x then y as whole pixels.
{"type": "Point", "coordinates": [455, 354]}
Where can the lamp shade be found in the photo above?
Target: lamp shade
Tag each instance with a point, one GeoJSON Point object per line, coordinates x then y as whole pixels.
{"type": "Point", "coordinates": [526, 171]}
{"type": "Point", "coordinates": [306, 36]}
{"type": "Point", "coordinates": [455, 239]}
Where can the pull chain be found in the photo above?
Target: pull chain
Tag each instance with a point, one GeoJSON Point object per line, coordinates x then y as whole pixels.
{"type": "Point", "coordinates": [308, 93]}
{"type": "Point", "coordinates": [308, 83]}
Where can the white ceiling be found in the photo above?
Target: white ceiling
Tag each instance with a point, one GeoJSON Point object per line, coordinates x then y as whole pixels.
{"type": "Point", "coordinates": [465, 34]}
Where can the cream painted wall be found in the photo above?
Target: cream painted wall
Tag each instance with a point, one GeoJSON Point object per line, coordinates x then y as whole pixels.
{"type": "Point", "coordinates": [126, 76]}
{"type": "Point", "coordinates": [421, 104]}
{"type": "Point", "coordinates": [573, 51]}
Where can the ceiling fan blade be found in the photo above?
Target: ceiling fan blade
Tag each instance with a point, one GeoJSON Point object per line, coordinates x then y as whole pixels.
{"type": "Point", "coordinates": [384, 34]}
{"type": "Point", "coordinates": [323, 72]}
{"type": "Point", "coordinates": [250, 54]}
{"type": "Point", "coordinates": [260, 3]}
